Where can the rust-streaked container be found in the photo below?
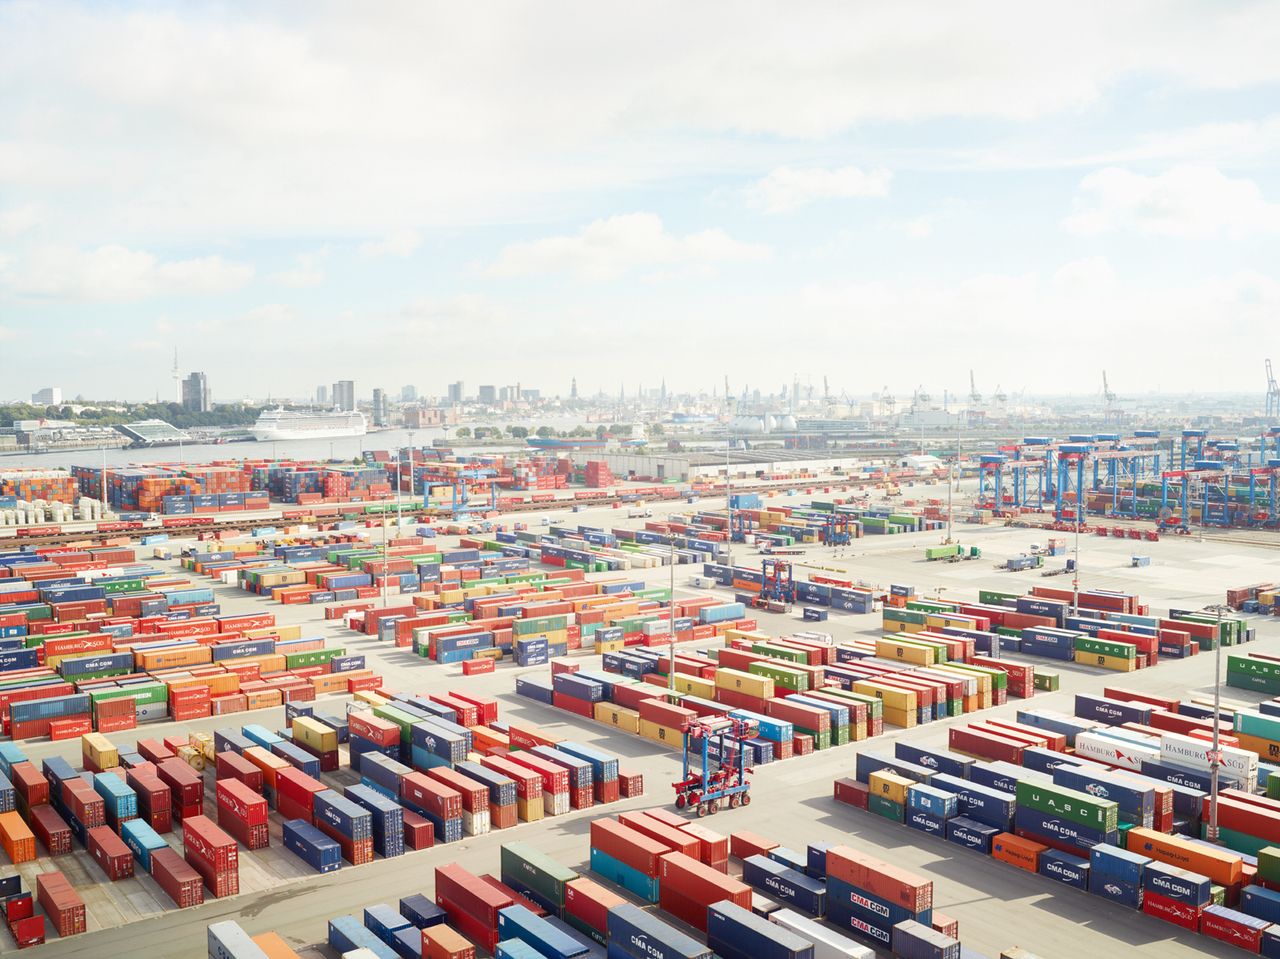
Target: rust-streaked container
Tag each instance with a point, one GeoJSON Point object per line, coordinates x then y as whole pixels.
{"type": "Point", "coordinates": [175, 876]}
{"type": "Point", "coordinates": [52, 831]}
{"type": "Point", "coordinates": [109, 851]}
{"type": "Point", "coordinates": [61, 902]}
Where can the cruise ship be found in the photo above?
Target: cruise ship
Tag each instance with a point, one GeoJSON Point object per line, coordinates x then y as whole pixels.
{"type": "Point", "coordinates": [282, 424]}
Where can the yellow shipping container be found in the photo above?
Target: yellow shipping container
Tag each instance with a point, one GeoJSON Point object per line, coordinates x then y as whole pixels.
{"type": "Point", "coordinates": [369, 698]}
{"type": "Point", "coordinates": [754, 635]}
{"type": "Point", "coordinates": [893, 698]}
{"type": "Point", "coordinates": [941, 621]}
{"type": "Point", "coordinates": [904, 652]}
{"type": "Point", "coordinates": [96, 747]}
{"type": "Point", "coordinates": [315, 734]}
{"type": "Point", "coordinates": [529, 810]}
{"type": "Point", "coordinates": [610, 646]}
{"type": "Point", "coordinates": [625, 719]}
{"type": "Point", "coordinates": [668, 736]}
{"type": "Point", "coordinates": [902, 718]}
{"type": "Point", "coordinates": [1119, 664]}
{"type": "Point", "coordinates": [275, 632]}
{"type": "Point", "coordinates": [706, 688]}
{"type": "Point", "coordinates": [758, 686]}
{"type": "Point", "coordinates": [890, 786]}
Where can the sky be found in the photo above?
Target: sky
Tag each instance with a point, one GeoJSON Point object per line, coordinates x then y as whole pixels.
{"type": "Point", "coordinates": [415, 193]}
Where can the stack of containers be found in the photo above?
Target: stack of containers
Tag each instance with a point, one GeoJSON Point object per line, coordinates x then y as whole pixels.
{"type": "Point", "coordinates": [143, 842]}
{"type": "Point", "coordinates": [868, 897]}
{"type": "Point", "coordinates": [186, 788]}
{"type": "Point", "coordinates": [347, 823]}
{"type": "Point", "coordinates": [586, 908]}
{"type": "Point", "coordinates": [243, 813]}
{"type": "Point", "coordinates": [734, 932]}
{"type": "Point", "coordinates": [472, 905]}
{"type": "Point", "coordinates": [535, 876]}
{"type": "Point", "coordinates": [627, 858]}
{"type": "Point", "coordinates": [475, 799]}
{"type": "Point", "coordinates": [119, 801]}
{"type": "Point", "coordinates": [604, 769]}
{"type": "Point", "coordinates": [440, 805]}
{"type": "Point", "coordinates": [503, 810]}
{"type": "Point", "coordinates": [155, 800]}
{"type": "Point", "coordinates": [636, 934]}
{"type": "Point", "coordinates": [687, 887]}
{"type": "Point", "coordinates": [386, 818]}
{"type": "Point", "coordinates": [213, 854]}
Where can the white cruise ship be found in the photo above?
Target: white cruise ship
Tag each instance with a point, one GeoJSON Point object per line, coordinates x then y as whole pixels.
{"type": "Point", "coordinates": [282, 424]}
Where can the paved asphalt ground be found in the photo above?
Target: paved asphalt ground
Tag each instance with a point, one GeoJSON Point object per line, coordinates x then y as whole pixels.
{"type": "Point", "coordinates": [997, 906]}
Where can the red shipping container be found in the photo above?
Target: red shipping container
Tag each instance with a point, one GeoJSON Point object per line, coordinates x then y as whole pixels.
{"type": "Point", "coordinates": [984, 745]}
{"type": "Point", "coordinates": [589, 903]}
{"type": "Point", "coordinates": [358, 852]}
{"type": "Point", "coordinates": [581, 797]}
{"type": "Point", "coordinates": [572, 704]}
{"type": "Point", "coordinates": [675, 839]}
{"type": "Point", "coordinates": [155, 800]}
{"type": "Point", "coordinates": [375, 729]}
{"type": "Point", "coordinates": [555, 779]}
{"type": "Point", "coordinates": [897, 886]}
{"type": "Point", "coordinates": [632, 848]}
{"type": "Point", "coordinates": [487, 707]}
{"type": "Point", "coordinates": [1226, 929]}
{"type": "Point", "coordinates": [51, 830]}
{"type": "Point", "coordinates": [852, 792]}
{"type": "Point", "coordinates": [472, 904]}
{"type": "Point", "coordinates": [1179, 913]}
{"type": "Point", "coordinates": [435, 797]}
{"type": "Point", "coordinates": [175, 876]}
{"type": "Point", "coordinates": [206, 843]}
{"type": "Point", "coordinates": [231, 765]}
{"type": "Point", "coordinates": [61, 902]}
{"type": "Point", "coordinates": [657, 711]}
{"type": "Point", "coordinates": [237, 801]}
{"type": "Point", "coordinates": [110, 853]}
{"type": "Point", "coordinates": [633, 696]}
{"type": "Point", "coordinates": [686, 888]}
{"type": "Point", "coordinates": [474, 667]}
{"type": "Point", "coordinates": [606, 792]}
{"type": "Point", "coordinates": [83, 803]}
{"type": "Point", "coordinates": [503, 817]}
{"type": "Point", "coordinates": [528, 783]}
{"type": "Point", "coordinates": [29, 784]}
{"type": "Point", "coordinates": [810, 717]}
{"type": "Point", "coordinates": [441, 942]}
{"type": "Point", "coordinates": [515, 897]}
{"type": "Point", "coordinates": [185, 785]}
{"type": "Point", "coordinates": [419, 833]}
{"type": "Point", "coordinates": [475, 796]}
{"type": "Point", "coordinates": [153, 750]}
{"type": "Point", "coordinates": [295, 793]}
{"type": "Point", "coordinates": [630, 784]}
{"type": "Point", "coordinates": [744, 844]}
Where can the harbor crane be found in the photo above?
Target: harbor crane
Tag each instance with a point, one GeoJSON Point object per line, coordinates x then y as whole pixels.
{"type": "Point", "coordinates": [1273, 393]}
{"type": "Point", "coordinates": [974, 396]}
{"type": "Point", "coordinates": [887, 402]}
{"type": "Point", "coordinates": [1111, 414]}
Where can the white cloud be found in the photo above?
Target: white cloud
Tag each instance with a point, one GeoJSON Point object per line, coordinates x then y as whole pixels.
{"type": "Point", "coordinates": [401, 243]}
{"type": "Point", "coordinates": [787, 188]}
{"type": "Point", "coordinates": [306, 271]}
{"type": "Point", "coordinates": [608, 248]}
{"type": "Point", "coordinates": [19, 220]}
{"type": "Point", "coordinates": [116, 273]}
{"type": "Point", "coordinates": [1090, 273]}
{"type": "Point", "coordinates": [1187, 201]}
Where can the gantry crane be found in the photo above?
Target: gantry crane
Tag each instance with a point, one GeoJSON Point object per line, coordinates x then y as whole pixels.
{"type": "Point", "coordinates": [974, 396]}
{"type": "Point", "coordinates": [1273, 394]}
{"type": "Point", "coordinates": [887, 402]}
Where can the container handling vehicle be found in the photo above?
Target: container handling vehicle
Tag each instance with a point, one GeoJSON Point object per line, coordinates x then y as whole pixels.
{"type": "Point", "coordinates": [714, 769]}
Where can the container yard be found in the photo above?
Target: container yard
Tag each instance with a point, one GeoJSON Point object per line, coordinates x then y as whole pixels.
{"type": "Point", "coordinates": [305, 707]}
{"type": "Point", "coordinates": [532, 481]}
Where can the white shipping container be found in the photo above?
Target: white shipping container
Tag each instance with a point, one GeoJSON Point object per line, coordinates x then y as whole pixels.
{"type": "Point", "coordinates": [1187, 751]}
{"type": "Point", "coordinates": [827, 943]}
{"type": "Point", "coordinates": [1115, 752]}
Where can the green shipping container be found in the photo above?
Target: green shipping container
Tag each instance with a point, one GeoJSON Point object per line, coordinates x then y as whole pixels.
{"type": "Point", "coordinates": [1047, 680]}
{"type": "Point", "coordinates": [1077, 807]}
{"type": "Point", "coordinates": [523, 867]}
{"type": "Point", "coordinates": [886, 808]}
{"type": "Point", "coordinates": [1087, 644]}
{"type": "Point", "coordinates": [782, 676]}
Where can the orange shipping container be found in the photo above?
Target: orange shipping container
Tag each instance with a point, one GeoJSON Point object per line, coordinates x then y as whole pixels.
{"type": "Point", "coordinates": [269, 763]}
{"type": "Point", "coordinates": [1017, 851]}
{"type": "Point", "coordinates": [1221, 865]}
{"type": "Point", "coordinates": [19, 841]}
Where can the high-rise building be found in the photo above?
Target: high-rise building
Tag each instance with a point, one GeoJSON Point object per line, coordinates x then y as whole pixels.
{"type": "Point", "coordinates": [195, 393]}
{"type": "Point", "coordinates": [344, 394]}
{"type": "Point", "coordinates": [408, 394]}
{"type": "Point", "coordinates": [456, 392]}
{"type": "Point", "coordinates": [49, 396]}
{"type": "Point", "coordinates": [487, 394]}
{"type": "Point", "coordinates": [381, 408]}
{"type": "Point", "coordinates": [322, 395]}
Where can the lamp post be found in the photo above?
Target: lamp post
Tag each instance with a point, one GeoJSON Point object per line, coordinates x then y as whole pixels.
{"type": "Point", "coordinates": [1215, 758]}
{"type": "Point", "coordinates": [671, 621]}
